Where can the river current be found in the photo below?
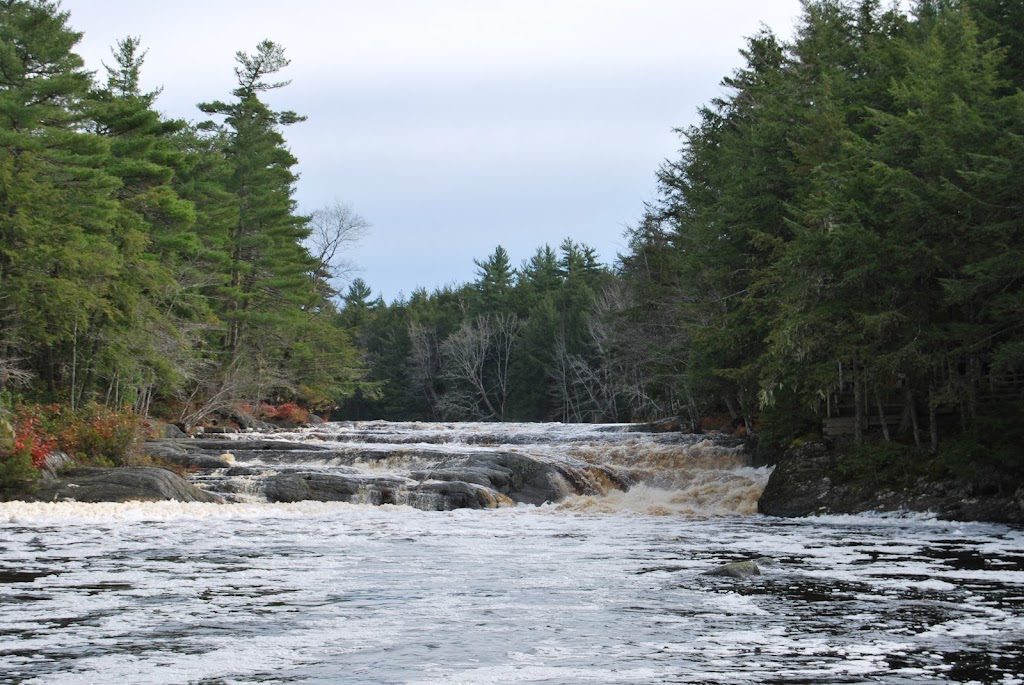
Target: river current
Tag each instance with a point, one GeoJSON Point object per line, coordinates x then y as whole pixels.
{"type": "Point", "coordinates": [605, 587]}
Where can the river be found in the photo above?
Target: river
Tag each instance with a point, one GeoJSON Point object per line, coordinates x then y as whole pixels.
{"type": "Point", "coordinates": [604, 587]}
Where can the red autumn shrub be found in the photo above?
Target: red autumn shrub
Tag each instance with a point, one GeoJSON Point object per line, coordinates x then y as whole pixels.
{"type": "Point", "coordinates": [32, 435]}
{"type": "Point", "coordinates": [292, 413]}
{"type": "Point", "coordinates": [93, 434]}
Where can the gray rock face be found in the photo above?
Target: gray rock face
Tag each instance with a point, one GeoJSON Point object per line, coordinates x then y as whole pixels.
{"type": "Point", "coordinates": [474, 482]}
{"type": "Point", "coordinates": [518, 477]}
{"type": "Point", "coordinates": [800, 485]}
{"type": "Point", "coordinates": [319, 487]}
{"type": "Point", "coordinates": [804, 484]}
{"type": "Point", "coordinates": [124, 484]}
{"type": "Point", "coordinates": [169, 431]}
{"type": "Point", "coordinates": [174, 453]}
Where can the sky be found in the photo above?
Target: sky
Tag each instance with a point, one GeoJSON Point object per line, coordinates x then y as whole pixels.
{"type": "Point", "coordinates": [455, 126]}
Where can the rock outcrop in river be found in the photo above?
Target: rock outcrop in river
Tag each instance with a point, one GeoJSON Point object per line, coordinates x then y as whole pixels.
{"type": "Point", "coordinates": [475, 466]}
{"type": "Point", "coordinates": [809, 479]}
{"type": "Point", "coordinates": [125, 484]}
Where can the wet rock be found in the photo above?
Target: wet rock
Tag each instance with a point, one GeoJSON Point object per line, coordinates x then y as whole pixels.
{"type": "Point", "coordinates": [517, 476]}
{"type": "Point", "coordinates": [800, 484]}
{"type": "Point", "coordinates": [244, 445]}
{"type": "Point", "coordinates": [673, 424]}
{"type": "Point", "coordinates": [219, 430]}
{"type": "Point", "coordinates": [737, 569]}
{"type": "Point", "coordinates": [448, 495]}
{"type": "Point", "coordinates": [323, 487]}
{"type": "Point", "coordinates": [808, 480]}
{"type": "Point", "coordinates": [126, 484]}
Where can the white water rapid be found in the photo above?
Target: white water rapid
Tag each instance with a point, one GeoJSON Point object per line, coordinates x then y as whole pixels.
{"type": "Point", "coordinates": [612, 467]}
{"type": "Point", "coordinates": [605, 585]}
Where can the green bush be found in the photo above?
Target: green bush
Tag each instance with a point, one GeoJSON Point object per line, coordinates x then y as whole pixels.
{"type": "Point", "coordinates": [17, 475]}
{"type": "Point", "coordinates": [99, 436]}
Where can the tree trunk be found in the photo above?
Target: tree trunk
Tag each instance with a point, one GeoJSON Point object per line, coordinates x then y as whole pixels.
{"type": "Point", "coordinates": [881, 416]}
{"type": "Point", "coordinates": [858, 411]}
{"type": "Point", "coordinates": [912, 409]}
{"type": "Point", "coordinates": [933, 422]}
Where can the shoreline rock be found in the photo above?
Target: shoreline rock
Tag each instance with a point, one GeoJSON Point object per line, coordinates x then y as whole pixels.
{"type": "Point", "coordinates": [808, 481]}
{"type": "Point", "coordinates": [121, 484]}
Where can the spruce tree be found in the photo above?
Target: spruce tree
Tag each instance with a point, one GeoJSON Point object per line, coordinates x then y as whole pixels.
{"type": "Point", "coordinates": [268, 286]}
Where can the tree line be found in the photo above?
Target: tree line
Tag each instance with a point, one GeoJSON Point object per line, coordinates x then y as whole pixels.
{"type": "Point", "coordinates": [151, 260]}
{"type": "Point", "coordinates": [847, 219]}
{"type": "Point", "coordinates": [840, 232]}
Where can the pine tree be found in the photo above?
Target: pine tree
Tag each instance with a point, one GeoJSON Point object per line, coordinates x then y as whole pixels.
{"type": "Point", "coordinates": [268, 281]}
{"type": "Point", "coordinates": [59, 248]}
{"type": "Point", "coordinates": [494, 282]}
{"type": "Point", "coordinates": [148, 343]}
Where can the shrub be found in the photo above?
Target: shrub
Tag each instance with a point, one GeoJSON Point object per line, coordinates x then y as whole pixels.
{"type": "Point", "coordinates": [99, 435]}
{"type": "Point", "coordinates": [32, 435]}
{"type": "Point", "coordinates": [23, 450]}
{"type": "Point", "coordinates": [292, 413]}
{"type": "Point", "coordinates": [289, 412]}
{"type": "Point", "coordinates": [17, 474]}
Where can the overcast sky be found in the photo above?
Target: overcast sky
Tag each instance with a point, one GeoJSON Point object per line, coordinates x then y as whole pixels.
{"type": "Point", "coordinates": [454, 126]}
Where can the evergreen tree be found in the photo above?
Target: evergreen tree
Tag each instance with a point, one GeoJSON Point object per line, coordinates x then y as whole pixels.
{"type": "Point", "coordinates": [268, 282]}
{"type": "Point", "coordinates": [268, 299]}
{"type": "Point", "coordinates": [155, 234]}
{"type": "Point", "coordinates": [59, 248]}
{"type": "Point", "coordinates": [494, 282]}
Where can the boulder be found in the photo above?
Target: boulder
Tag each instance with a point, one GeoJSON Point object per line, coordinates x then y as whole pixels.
{"type": "Point", "coordinates": [323, 487]}
{"type": "Point", "coordinates": [448, 495]}
{"type": "Point", "coordinates": [168, 431]}
{"type": "Point", "coordinates": [517, 476]}
{"type": "Point", "coordinates": [800, 484]}
{"type": "Point", "coordinates": [124, 484]}
{"type": "Point", "coordinates": [737, 569]}
{"type": "Point", "coordinates": [55, 461]}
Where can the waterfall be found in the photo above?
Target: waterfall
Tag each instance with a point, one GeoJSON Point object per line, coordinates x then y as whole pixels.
{"type": "Point", "coordinates": [442, 466]}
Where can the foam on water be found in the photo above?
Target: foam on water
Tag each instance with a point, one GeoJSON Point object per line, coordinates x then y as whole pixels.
{"type": "Point", "coordinates": [605, 588]}
{"type": "Point", "coordinates": [314, 592]}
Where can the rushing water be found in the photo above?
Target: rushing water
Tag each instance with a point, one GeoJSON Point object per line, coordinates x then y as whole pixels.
{"type": "Point", "coordinates": [594, 589]}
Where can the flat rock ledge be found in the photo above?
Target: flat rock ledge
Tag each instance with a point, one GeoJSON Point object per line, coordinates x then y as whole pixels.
{"type": "Point", "coordinates": [125, 484]}
{"type": "Point", "coordinates": [807, 482]}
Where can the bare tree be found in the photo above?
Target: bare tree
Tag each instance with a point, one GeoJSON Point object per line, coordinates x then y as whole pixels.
{"type": "Point", "coordinates": [465, 357]}
{"type": "Point", "coordinates": [476, 361]}
{"type": "Point", "coordinates": [12, 374]}
{"type": "Point", "coordinates": [505, 331]}
{"type": "Point", "coordinates": [334, 230]}
{"type": "Point", "coordinates": [424, 363]}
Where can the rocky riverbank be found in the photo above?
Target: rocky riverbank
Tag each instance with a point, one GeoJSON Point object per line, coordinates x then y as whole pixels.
{"type": "Point", "coordinates": [810, 479]}
{"type": "Point", "coordinates": [124, 484]}
{"type": "Point", "coordinates": [815, 478]}
{"type": "Point", "coordinates": [257, 468]}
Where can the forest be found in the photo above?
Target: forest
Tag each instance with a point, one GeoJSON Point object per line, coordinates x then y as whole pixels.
{"type": "Point", "coordinates": [840, 236]}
